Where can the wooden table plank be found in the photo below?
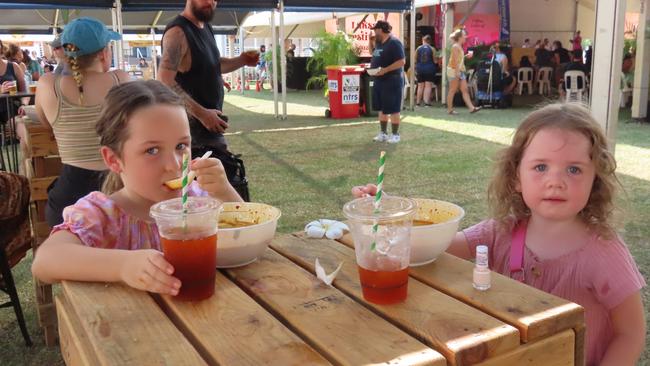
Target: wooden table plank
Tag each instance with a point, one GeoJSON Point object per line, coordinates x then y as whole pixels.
{"type": "Point", "coordinates": [75, 348]}
{"type": "Point", "coordinates": [458, 331]}
{"type": "Point", "coordinates": [124, 326]}
{"type": "Point", "coordinates": [230, 328]}
{"type": "Point", "coordinates": [535, 313]}
{"type": "Point", "coordinates": [556, 350]}
{"type": "Point", "coordinates": [345, 332]}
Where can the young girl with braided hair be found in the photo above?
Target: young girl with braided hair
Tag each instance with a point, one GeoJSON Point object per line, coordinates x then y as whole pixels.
{"type": "Point", "coordinates": [70, 105]}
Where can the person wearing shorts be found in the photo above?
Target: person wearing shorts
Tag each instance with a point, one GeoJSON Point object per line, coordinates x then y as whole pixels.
{"type": "Point", "coordinates": [425, 70]}
{"type": "Point", "coordinates": [388, 87]}
{"type": "Point", "coordinates": [456, 73]}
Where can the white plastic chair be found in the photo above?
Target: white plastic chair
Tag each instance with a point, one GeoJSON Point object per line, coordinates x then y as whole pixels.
{"type": "Point", "coordinates": [544, 80]}
{"type": "Point", "coordinates": [626, 91]}
{"type": "Point", "coordinates": [525, 78]}
{"type": "Point", "coordinates": [575, 85]}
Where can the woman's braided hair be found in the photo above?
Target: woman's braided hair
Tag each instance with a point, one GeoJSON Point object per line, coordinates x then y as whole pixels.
{"type": "Point", "coordinates": [78, 64]}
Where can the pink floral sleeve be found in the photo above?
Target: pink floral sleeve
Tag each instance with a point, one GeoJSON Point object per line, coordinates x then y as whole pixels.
{"type": "Point", "coordinates": [93, 219]}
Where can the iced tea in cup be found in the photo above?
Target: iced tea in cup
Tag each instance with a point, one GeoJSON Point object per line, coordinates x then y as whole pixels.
{"type": "Point", "coordinates": [384, 266]}
{"type": "Point", "coordinates": [251, 57]}
{"type": "Point", "coordinates": [189, 243]}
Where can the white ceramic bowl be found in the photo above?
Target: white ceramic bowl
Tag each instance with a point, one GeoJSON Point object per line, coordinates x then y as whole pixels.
{"type": "Point", "coordinates": [429, 241]}
{"type": "Point", "coordinates": [243, 245]}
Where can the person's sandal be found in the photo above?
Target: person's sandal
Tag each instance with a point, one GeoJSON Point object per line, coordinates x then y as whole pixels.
{"type": "Point", "coordinates": [476, 109]}
{"type": "Point", "coordinates": [452, 112]}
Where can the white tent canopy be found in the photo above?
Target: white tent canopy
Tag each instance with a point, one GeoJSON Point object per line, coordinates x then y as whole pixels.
{"type": "Point", "coordinates": [296, 24]}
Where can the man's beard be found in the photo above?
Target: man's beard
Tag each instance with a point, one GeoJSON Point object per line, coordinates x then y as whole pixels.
{"type": "Point", "coordinates": [202, 15]}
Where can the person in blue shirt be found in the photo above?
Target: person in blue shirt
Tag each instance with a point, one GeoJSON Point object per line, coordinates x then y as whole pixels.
{"type": "Point", "coordinates": [425, 70]}
{"type": "Point", "coordinates": [388, 87]}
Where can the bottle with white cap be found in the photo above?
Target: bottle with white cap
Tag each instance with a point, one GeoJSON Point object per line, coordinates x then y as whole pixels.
{"type": "Point", "coordinates": [481, 270]}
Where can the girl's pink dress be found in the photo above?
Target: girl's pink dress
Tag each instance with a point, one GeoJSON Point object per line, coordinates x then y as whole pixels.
{"type": "Point", "coordinates": [598, 276]}
{"type": "Point", "coordinates": [100, 223]}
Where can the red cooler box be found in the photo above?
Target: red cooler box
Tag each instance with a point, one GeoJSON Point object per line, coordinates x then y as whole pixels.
{"type": "Point", "coordinates": [344, 84]}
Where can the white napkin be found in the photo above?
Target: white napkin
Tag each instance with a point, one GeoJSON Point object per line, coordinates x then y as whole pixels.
{"type": "Point", "coordinates": [331, 229]}
{"type": "Point", "coordinates": [327, 278]}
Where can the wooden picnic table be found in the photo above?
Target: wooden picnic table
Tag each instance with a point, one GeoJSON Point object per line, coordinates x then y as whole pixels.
{"type": "Point", "coordinates": [276, 312]}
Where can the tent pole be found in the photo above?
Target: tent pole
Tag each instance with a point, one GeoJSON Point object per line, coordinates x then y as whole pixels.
{"type": "Point", "coordinates": [606, 73]}
{"type": "Point", "coordinates": [120, 30]}
{"type": "Point", "coordinates": [116, 60]}
{"type": "Point", "coordinates": [412, 44]}
{"type": "Point", "coordinates": [283, 60]}
{"type": "Point", "coordinates": [274, 63]}
{"type": "Point", "coordinates": [154, 59]}
{"type": "Point", "coordinates": [56, 22]}
{"type": "Point", "coordinates": [242, 71]}
{"type": "Point", "coordinates": [447, 29]}
{"type": "Point", "coordinates": [642, 73]}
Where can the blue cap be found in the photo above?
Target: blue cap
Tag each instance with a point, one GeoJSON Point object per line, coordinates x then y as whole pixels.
{"type": "Point", "coordinates": [89, 35]}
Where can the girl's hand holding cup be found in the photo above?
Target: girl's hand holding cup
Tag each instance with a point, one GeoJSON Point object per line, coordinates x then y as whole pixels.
{"type": "Point", "coordinates": [148, 270]}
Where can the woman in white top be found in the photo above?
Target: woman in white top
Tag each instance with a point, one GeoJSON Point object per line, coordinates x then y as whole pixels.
{"type": "Point", "coordinates": [456, 73]}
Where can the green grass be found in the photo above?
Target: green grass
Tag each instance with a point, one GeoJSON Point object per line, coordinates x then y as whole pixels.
{"type": "Point", "coordinates": [305, 165]}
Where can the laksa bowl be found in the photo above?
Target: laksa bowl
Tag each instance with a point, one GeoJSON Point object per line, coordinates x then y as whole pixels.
{"type": "Point", "coordinates": [245, 231]}
{"type": "Point", "coordinates": [434, 226]}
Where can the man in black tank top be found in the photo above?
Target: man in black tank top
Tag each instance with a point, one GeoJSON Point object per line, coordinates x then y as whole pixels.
{"type": "Point", "coordinates": [192, 66]}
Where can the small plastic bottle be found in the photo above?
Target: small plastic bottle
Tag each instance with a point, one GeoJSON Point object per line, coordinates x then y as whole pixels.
{"type": "Point", "coordinates": [481, 270]}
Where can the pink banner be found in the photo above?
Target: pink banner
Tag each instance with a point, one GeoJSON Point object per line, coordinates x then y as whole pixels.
{"type": "Point", "coordinates": [481, 28]}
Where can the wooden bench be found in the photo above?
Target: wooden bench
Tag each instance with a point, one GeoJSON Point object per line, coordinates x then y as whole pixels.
{"type": "Point", "coordinates": [42, 166]}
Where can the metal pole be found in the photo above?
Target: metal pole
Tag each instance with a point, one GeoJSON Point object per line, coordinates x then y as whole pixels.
{"type": "Point", "coordinates": [242, 71]}
{"type": "Point", "coordinates": [448, 19]}
{"type": "Point", "coordinates": [642, 74]}
{"type": "Point", "coordinates": [274, 63]}
{"type": "Point", "coordinates": [154, 53]}
{"type": "Point", "coordinates": [116, 60]}
{"type": "Point", "coordinates": [283, 60]}
{"type": "Point", "coordinates": [412, 43]}
{"type": "Point", "coordinates": [608, 50]}
{"type": "Point", "coordinates": [120, 30]}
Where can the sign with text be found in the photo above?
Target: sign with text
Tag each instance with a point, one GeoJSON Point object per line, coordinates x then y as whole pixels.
{"type": "Point", "coordinates": [351, 88]}
{"type": "Point", "coordinates": [363, 24]}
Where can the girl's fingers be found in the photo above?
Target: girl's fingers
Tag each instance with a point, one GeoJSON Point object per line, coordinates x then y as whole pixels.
{"type": "Point", "coordinates": [158, 260]}
{"type": "Point", "coordinates": [159, 282]}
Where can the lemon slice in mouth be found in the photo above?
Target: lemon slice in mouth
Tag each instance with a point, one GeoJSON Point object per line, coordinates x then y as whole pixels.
{"type": "Point", "coordinates": [178, 182]}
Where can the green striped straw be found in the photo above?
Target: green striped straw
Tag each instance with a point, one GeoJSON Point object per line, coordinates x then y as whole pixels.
{"type": "Point", "coordinates": [185, 187]}
{"type": "Point", "coordinates": [377, 203]}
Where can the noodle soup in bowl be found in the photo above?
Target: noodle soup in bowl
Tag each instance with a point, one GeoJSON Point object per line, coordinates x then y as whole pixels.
{"type": "Point", "coordinates": [245, 231]}
{"type": "Point", "coordinates": [434, 226]}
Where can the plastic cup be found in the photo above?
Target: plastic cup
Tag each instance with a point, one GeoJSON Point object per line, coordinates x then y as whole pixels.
{"type": "Point", "coordinates": [32, 88]}
{"type": "Point", "coordinates": [13, 88]}
{"type": "Point", "coordinates": [384, 270]}
{"type": "Point", "coordinates": [190, 244]}
{"type": "Point", "coordinates": [252, 57]}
